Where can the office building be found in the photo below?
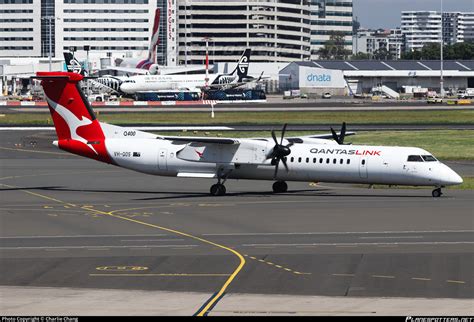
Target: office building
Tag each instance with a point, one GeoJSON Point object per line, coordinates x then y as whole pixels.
{"type": "Point", "coordinates": [328, 17]}
{"type": "Point", "coordinates": [276, 31]}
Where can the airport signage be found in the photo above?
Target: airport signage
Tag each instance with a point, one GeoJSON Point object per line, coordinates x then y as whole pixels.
{"type": "Point", "coordinates": [320, 77]}
{"type": "Point", "coordinates": [171, 33]}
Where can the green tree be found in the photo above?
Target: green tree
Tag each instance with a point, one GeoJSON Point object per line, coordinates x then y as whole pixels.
{"type": "Point", "coordinates": [463, 50]}
{"type": "Point", "coordinates": [382, 54]}
{"type": "Point", "coordinates": [360, 56]}
{"type": "Point", "coordinates": [334, 47]}
{"type": "Point", "coordinates": [355, 26]}
{"type": "Point", "coordinates": [431, 51]}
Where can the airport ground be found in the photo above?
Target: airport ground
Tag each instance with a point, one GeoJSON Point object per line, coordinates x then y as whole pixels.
{"type": "Point", "coordinates": [83, 238]}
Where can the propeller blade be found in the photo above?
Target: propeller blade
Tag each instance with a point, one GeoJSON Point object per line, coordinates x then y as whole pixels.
{"type": "Point", "coordinates": [334, 136]}
{"type": "Point", "coordinates": [274, 137]}
{"type": "Point", "coordinates": [283, 133]}
{"type": "Point", "coordinates": [343, 132]}
{"type": "Point", "coordinates": [284, 163]}
{"type": "Point", "coordinates": [276, 169]}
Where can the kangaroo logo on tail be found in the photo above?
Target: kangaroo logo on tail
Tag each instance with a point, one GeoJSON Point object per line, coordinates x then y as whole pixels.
{"type": "Point", "coordinates": [72, 121]}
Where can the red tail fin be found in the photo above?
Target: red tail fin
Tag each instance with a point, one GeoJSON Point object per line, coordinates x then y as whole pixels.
{"type": "Point", "coordinates": [77, 128]}
{"type": "Point", "coordinates": [154, 39]}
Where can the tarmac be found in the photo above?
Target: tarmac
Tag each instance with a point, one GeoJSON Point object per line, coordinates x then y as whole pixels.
{"type": "Point", "coordinates": [80, 237]}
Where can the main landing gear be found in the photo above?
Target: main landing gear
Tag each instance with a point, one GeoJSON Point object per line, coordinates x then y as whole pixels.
{"type": "Point", "coordinates": [280, 186]}
{"type": "Point", "coordinates": [219, 189]}
{"type": "Point", "coordinates": [436, 193]}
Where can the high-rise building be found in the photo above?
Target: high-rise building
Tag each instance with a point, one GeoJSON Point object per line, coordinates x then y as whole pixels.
{"type": "Point", "coordinates": [420, 28]}
{"type": "Point", "coordinates": [466, 21]}
{"type": "Point", "coordinates": [423, 27]}
{"type": "Point", "coordinates": [379, 43]}
{"type": "Point", "coordinates": [20, 28]}
{"type": "Point", "coordinates": [328, 17]}
{"type": "Point", "coordinates": [276, 31]}
{"type": "Point", "coordinates": [121, 27]}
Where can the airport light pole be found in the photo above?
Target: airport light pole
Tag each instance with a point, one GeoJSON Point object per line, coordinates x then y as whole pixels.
{"type": "Point", "coordinates": [207, 59]}
{"type": "Point", "coordinates": [49, 19]}
{"type": "Point", "coordinates": [441, 81]}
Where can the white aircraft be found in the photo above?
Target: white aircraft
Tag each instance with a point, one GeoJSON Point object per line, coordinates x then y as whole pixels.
{"type": "Point", "coordinates": [306, 158]}
{"type": "Point", "coordinates": [193, 82]}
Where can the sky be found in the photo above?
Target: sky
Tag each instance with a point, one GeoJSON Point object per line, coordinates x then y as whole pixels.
{"type": "Point", "coordinates": [386, 13]}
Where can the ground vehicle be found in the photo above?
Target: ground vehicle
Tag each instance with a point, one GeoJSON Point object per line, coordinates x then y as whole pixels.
{"type": "Point", "coordinates": [326, 95]}
{"type": "Point", "coordinates": [467, 93]}
{"type": "Point", "coordinates": [434, 100]}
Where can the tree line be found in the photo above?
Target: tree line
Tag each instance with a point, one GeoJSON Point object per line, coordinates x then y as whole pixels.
{"type": "Point", "coordinates": [334, 49]}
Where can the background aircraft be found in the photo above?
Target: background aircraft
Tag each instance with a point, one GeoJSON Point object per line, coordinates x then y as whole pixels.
{"type": "Point", "coordinates": [193, 82]}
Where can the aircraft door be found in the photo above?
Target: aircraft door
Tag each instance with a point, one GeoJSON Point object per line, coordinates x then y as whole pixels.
{"type": "Point", "coordinates": [162, 162]}
{"type": "Point", "coordinates": [363, 167]}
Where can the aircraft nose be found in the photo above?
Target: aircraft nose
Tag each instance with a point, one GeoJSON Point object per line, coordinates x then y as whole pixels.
{"type": "Point", "coordinates": [450, 177]}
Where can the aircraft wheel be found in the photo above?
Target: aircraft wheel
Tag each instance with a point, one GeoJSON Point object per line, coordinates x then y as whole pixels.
{"type": "Point", "coordinates": [280, 186]}
{"type": "Point", "coordinates": [218, 189]}
{"type": "Point", "coordinates": [436, 193]}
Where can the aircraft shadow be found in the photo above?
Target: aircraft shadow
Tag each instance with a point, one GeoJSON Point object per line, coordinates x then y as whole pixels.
{"type": "Point", "coordinates": [326, 192]}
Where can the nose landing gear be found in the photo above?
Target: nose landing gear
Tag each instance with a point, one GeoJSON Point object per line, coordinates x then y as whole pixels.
{"type": "Point", "coordinates": [436, 193]}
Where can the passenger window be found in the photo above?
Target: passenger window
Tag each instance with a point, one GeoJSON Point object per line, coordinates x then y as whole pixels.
{"type": "Point", "coordinates": [307, 160]}
{"type": "Point", "coordinates": [363, 162]}
{"type": "Point", "coordinates": [414, 158]}
{"type": "Point", "coordinates": [334, 161]}
{"type": "Point", "coordinates": [348, 161]}
{"type": "Point", "coordinates": [327, 160]}
{"type": "Point", "coordinates": [314, 160]}
{"type": "Point", "coordinates": [299, 160]}
{"type": "Point", "coordinates": [292, 159]}
{"type": "Point", "coordinates": [429, 158]}
{"type": "Point", "coordinates": [341, 161]}
{"type": "Point", "coordinates": [320, 160]}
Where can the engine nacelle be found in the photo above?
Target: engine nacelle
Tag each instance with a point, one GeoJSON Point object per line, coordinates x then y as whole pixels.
{"type": "Point", "coordinates": [154, 69]}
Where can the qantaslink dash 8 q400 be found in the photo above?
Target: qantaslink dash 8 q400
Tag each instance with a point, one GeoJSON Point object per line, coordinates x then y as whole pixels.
{"type": "Point", "coordinates": [314, 158]}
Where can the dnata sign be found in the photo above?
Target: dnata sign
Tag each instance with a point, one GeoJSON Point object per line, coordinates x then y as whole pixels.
{"type": "Point", "coordinates": [318, 78]}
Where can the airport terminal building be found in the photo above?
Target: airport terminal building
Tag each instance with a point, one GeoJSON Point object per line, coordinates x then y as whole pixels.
{"type": "Point", "coordinates": [351, 77]}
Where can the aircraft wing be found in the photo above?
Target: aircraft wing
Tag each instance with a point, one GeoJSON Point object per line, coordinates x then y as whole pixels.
{"type": "Point", "coordinates": [129, 70]}
{"type": "Point", "coordinates": [318, 136]}
{"type": "Point", "coordinates": [191, 139]}
{"type": "Point", "coordinates": [162, 70]}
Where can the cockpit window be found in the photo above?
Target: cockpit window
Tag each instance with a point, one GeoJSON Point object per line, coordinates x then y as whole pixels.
{"type": "Point", "coordinates": [415, 158]}
{"type": "Point", "coordinates": [429, 158]}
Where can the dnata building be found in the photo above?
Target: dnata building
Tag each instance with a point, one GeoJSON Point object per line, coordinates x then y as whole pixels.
{"type": "Point", "coordinates": [392, 77]}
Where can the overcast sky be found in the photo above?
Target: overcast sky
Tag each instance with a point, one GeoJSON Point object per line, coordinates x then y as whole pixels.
{"type": "Point", "coordinates": [386, 13]}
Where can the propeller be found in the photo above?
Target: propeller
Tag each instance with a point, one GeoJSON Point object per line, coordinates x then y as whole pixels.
{"type": "Point", "coordinates": [339, 138]}
{"type": "Point", "coordinates": [279, 151]}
